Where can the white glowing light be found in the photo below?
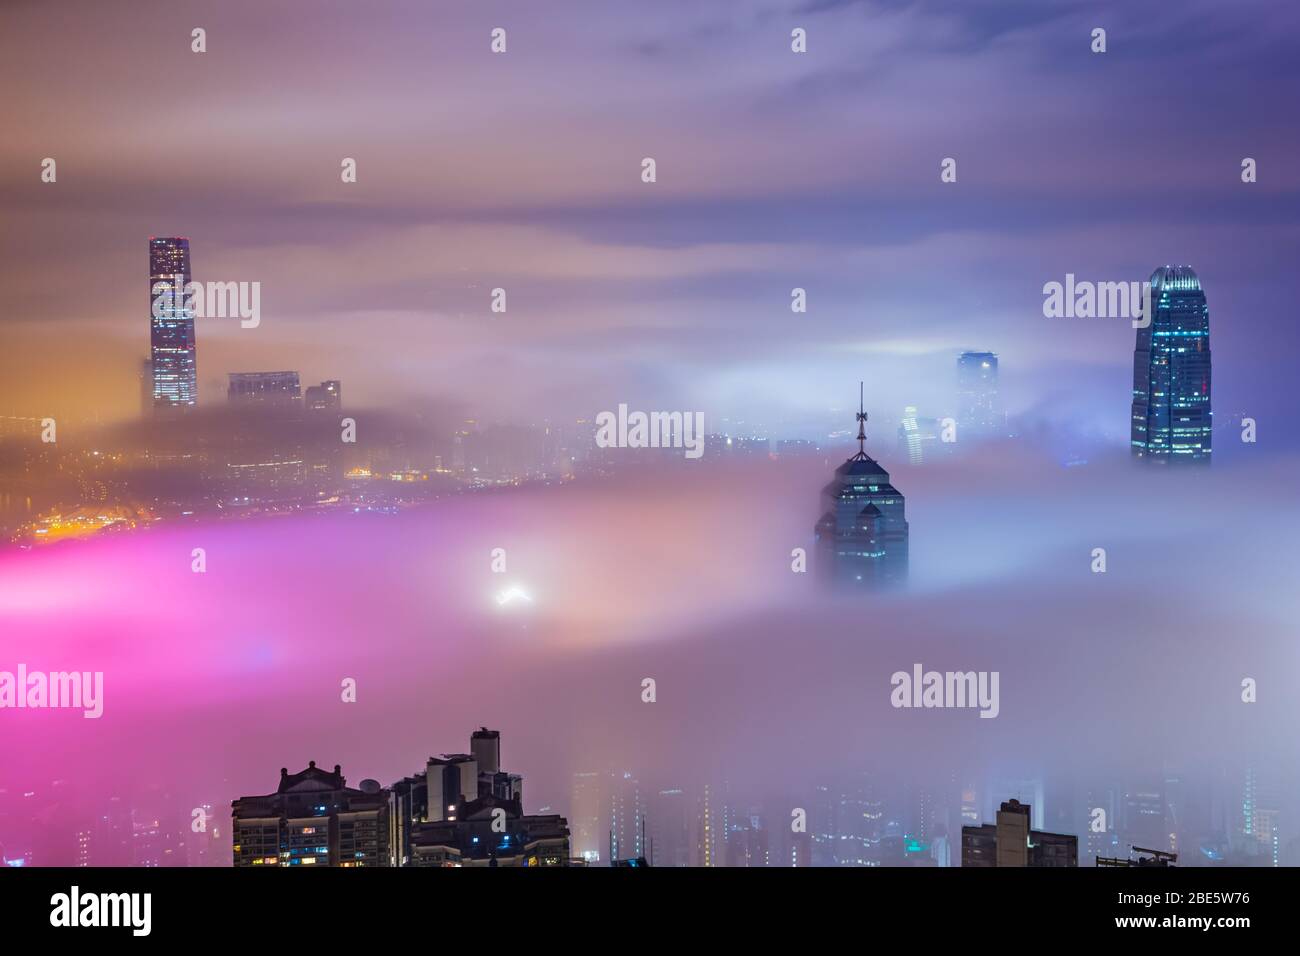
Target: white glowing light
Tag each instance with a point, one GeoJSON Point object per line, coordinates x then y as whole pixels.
{"type": "Point", "coordinates": [512, 595]}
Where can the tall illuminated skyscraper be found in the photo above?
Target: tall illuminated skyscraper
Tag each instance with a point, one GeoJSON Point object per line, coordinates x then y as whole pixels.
{"type": "Point", "coordinates": [706, 828]}
{"type": "Point", "coordinates": [920, 439]}
{"type": "Point", "coordinates": [862, 534]}
{"type": "Point", "coordinates": [1171, 372]}
{"type": "Point", "coordinates": [626, 818]}
{"type": "Point", "coordinates": [980, 411]}
{"type": "Point", "coordinates": [171, 315]}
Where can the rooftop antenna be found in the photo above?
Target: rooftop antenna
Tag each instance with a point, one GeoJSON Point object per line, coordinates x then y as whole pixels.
{"type": "Point", "coordinates": [862, 425]}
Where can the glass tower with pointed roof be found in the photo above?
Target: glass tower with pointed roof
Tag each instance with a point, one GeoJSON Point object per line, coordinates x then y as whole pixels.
{"type": "Point", "coordinates": [862, 534]}
{"type": "Point", "coordinates": [1172, 420]}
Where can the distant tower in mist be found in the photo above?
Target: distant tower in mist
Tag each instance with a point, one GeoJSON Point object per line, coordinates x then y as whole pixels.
{"type": "Point", "coordinates": [171, 317]}
{"type": "Point", "coordinates": [626, 818]}
{"type": "Point", "coordinates": [862, 534]}
{"type": "Point", "coordinates": [327, 396]}
{"type": "Point", "coordinates": [979, 412]}
{"type": "Point", "coordinates": [270, 388]}
{"type": "Point", "coordinates": [146, 387]}
{"type": "Point", "coordinates": [1171, 372]}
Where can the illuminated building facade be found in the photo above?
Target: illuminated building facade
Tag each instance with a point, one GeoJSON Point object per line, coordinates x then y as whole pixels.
{"type": "Point", "coordinates": [707, 829]}
{"type": "Point", "coordinates": [1172, 421]}
{"type": "Point", "coordinates": [171, 339]}
{"type": "Point", "coordinates": [1144, 819]}
{"type": "Point", "coordinates": [1260, 820]}
{"type": "Point", "coordinates": [464, 810]}
{"type": "Point", "coordinates": [272, 387]}
{"type": "Point", "coordinates": [491, 831]}
{"type": "Point", "coordinates": [626, 818]}
{"type": "Point", "coordinates": [326, 396]}
{"type": "Point", "coordinates": [862, 534]}
{"type": "Point", "coordinates": [1012, 842]}
{"type": "Point", "coordinates": [979, 408]}
{"type": "Point", "coordinates": [313, 819]}
{"type": "Point", "coordinates": [919, 438]}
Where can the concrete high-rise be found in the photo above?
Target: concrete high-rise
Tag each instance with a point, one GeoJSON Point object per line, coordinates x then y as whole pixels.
{"type": "Point", "coordinates": [1011, 841]}
{"type": "Point", "coordinates": [485, 746]}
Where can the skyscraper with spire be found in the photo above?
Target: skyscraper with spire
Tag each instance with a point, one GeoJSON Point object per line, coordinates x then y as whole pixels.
{"type": "Point", "coordinates": [862, 534]}
{"type": "Point", "coordinates": [171, 329]}
{"type": "Point", "coordinates": [1171, 420]}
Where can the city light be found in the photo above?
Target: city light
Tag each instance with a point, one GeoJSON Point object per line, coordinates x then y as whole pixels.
{"type": "Point", "coordinates": [513, 595]}
{"type": "Point", "coordinates": [589, 514]}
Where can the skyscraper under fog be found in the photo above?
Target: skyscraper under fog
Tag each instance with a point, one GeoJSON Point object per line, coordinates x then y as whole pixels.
{"type": "Point", "coordinates": [626, 818]}
{"type": "Point", "coordinates": [171, 336]}
{"type": "Point", "coordinates": [862, 535]}
{"type": "Point", "coordinates": [265, 387]}
{"type": "Point", "coordinates": [585, 812]}
{"type": "Point", "coordinates": [670, 829]}
{"type": "Point", "coordinates": [979, 408]}
{"type": "Point", "coordinates": [1171, 372]}
{"type": "Point", "coordinates": [326, 396]}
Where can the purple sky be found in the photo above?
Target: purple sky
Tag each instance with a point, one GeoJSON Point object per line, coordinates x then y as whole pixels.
{"type": "Point", "coordinates": [522, 171]}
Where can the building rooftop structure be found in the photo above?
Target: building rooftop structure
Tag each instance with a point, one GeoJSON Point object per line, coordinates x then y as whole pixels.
{"type": "Point", "coordinates": [862, 535]}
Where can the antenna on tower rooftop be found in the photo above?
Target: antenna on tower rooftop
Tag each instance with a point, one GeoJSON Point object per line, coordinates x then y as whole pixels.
{"type": "Point", "coordinates": [862, 421]}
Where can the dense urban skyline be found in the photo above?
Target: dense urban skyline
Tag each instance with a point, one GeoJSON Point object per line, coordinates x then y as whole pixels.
{"type": "Point", "coordinates": [676, 291]}
{"type": "Point", "coordinates": [518, 392]}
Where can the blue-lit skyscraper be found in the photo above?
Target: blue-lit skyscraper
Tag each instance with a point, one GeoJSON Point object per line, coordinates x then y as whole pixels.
{"type": "Point", "coordinates": [979, 414]}
{"type": "Point", "coordinates": [171, 338]}
{"type": "Point", "coordinates": [1171, 372]}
